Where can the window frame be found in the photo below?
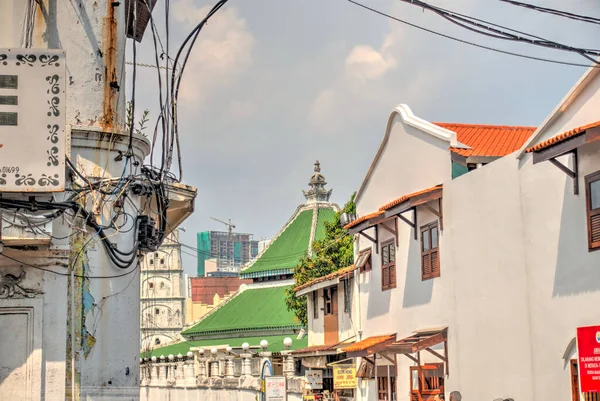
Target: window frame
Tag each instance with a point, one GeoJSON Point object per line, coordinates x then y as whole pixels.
{"type": "Point", "coordinates": [328, 294]}
{"type": "Point", "coordinates": [388, 268]}
{"type": "Point", "coordinates": [348, 283]}
{"type": "Point", "coordinates": [428, 228]}
{"type": "Point", "coordinates": [368, 264]}
{"type": "Point", "coordinates": [441, 382]}
{"type": "Point", "coordinates": [315, 301]}
{"type": "Point", "coordinates": [590, 213]}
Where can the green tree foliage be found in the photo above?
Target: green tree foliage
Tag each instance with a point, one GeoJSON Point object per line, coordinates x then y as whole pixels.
{"type": "Point", "coordinates": [333, 252]}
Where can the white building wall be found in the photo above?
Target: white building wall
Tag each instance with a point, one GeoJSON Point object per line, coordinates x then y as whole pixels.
{"type": "Point", "coordinates": [516, 275]}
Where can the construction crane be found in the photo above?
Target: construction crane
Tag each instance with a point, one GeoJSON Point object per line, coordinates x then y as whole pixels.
{"type": "Point", "coordinates": [230, 227]}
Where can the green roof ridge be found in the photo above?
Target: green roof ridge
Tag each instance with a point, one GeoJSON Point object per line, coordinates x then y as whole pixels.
{"type": "Point", "coordinates": [292, 242]}
{"type": "Point", "coordinates": [253, 309]}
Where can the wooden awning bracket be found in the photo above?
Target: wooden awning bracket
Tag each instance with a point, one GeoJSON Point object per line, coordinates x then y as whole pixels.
{"type": "Point", "coordinates": [368, 360]}
{"type": "Point", "coordinates": [412, 358]}
{"type": "Point", "coordinates": [385, 356]}
{"type": "Point", "coordinates": [413, 223]}
{"type": "Point", "coordinates": [373, 240]}
{"type": "Point", "coordinates": [574, 174]}
{"type": "Point", "coordinates": [438, 212]}
{"type": "Point", "coordinates": [392, 230]}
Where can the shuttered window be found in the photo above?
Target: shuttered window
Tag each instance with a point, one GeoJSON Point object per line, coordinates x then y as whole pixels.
{"type": "Point", "coordinates": [363, 263]}
{"type": "Point", "coordinates": [592, 192]}
{"type": "Point", "coordinates": [388, 265]}
{"type": "Point", "coordinates": [430, 253]}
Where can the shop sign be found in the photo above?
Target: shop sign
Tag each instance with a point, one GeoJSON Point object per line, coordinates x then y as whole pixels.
{"type": "Point", "coordinates": [344, 377]}
{"type": "Point", "coordinates": [275, 388]}
{"type": "Point", "coordinates": [588, 350]}
{"type": "Point", "coordinates": [314, 379]}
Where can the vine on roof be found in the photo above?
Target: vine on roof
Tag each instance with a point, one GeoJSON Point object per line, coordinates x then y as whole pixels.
{"type": "Point", "coordinates": [335, 251]}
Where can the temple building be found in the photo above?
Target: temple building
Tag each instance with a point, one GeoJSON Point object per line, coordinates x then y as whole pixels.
{"type": "Point", "coordinates": [257, 311]}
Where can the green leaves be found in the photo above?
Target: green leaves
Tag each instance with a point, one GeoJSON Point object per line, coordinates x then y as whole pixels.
{"type": "Point", "coordinates": [332, 253]}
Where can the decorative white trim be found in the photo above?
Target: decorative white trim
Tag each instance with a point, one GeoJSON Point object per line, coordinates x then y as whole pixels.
{"type": "Point", "coordinates": [564, 104]}
{"type": "Point", "coordinates": [409, 118]}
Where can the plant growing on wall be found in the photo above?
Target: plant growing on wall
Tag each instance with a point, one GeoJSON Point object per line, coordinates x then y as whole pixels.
{"type": "Point", "coordinates": [335, 251]}
{"type": "Point", "coordinates": [140, 129]}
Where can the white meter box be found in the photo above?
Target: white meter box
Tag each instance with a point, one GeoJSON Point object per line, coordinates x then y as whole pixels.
{"type": "Point", "coordinates": [32, 120]}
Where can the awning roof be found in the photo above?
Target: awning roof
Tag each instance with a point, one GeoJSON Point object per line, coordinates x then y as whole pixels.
{"type": "Point", "coordinates": [397, 206]}
{"type": "Point", "coordinates": [565, 136]}
{"type": "Point", "coordinates": [418, 341]}
{"type": "Point", "coordinates": [330, 279]}
{"type": "Point", "coordinates": [369, 345]}
{"type": "Point", "coordinates": [409, 201]}
{"type": "Point", "coordinates": [327, 349]}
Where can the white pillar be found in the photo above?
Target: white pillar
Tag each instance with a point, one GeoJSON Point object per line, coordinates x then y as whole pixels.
{"type": "Point", "coordinates": [162, 371]}
{"type": "Point", "coordinates": [190, 375]}
{"type": "Point", "coordinates": [180, 373]}
{"type": "Point", "coordinates": [288, 364]}
{"type": "Point", "coordinates": [229, 367]}
{"type": "Point", "coordinates": [246, 364]}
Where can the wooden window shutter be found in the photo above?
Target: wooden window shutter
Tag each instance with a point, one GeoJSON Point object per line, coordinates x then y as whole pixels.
{"type": "Point", "coordinates": [388, 265]}
{"type": "Point", "coordinates": [592, 197]}
{"type": "Point", "coordinates": [430, 253]}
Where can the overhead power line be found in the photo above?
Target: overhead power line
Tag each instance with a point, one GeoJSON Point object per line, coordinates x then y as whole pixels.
{"type": "Point", "coordinates": [577, 17]}
{"type": "Point", "coordinates": [500, 32]}
{"type": "Point", "coordinates": [466, 41]}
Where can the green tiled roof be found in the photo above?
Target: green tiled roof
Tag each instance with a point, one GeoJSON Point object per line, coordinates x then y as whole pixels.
{"type": "Point", "coordinates": [284, 253]}
{"type": "Point", "coordinates": [252, 309]}
{"type": "Point", "coordinates": [325, 215]}
{"type": "Point", "coordinates": [275, 344]}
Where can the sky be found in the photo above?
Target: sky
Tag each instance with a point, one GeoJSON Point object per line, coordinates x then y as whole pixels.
{"type": "Point", "coordinates": [273, 85]}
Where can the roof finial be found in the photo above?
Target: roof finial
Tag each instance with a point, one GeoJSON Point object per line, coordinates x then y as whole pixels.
{"type": "Point", "coordinates": [317, 191]}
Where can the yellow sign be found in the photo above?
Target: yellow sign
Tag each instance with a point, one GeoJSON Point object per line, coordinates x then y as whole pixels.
{"type": "Point", "coordinates": [344, 377]}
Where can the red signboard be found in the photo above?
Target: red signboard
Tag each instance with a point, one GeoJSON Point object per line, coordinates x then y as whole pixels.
{"type": "Point", "coordinates": [588, 349]}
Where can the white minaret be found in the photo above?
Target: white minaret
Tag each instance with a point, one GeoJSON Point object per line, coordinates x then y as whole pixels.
{"type": "Point", "coordinates": [162, 295]}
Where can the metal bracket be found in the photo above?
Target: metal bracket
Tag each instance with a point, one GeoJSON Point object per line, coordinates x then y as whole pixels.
{"type": "Point", "coordinates": [574, 174]}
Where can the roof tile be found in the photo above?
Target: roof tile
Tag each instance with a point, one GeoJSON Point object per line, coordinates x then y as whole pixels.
{"type": "Point", "coordinates": [488, 140]}
{"type": "Point", "coordinates": [369, 342]}
{"type": "Point", "coordinates": [562, 137]}
{"type": "Point", "coordinates": [407, 197]}
{"type": "Point", "coordinates": [361, 219]}
{"type": "Point", "coordinates": [327, 277]}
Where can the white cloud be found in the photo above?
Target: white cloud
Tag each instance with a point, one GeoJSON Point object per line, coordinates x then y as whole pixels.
{"type": "Point", "coordinates": [222, 52]}
{"type": "Point", "coordinates": [366, 63]}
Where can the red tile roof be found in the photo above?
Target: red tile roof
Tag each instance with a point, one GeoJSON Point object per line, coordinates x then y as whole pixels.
{"type": "Point", "coordinates": [361, 219]}
{"type": "Point", "coordinates": [562, 137]}
{"type": "Point", "coordinates": [488, 140]}
{"type": "Point", "coordinates": [407, 197]}
{"type": "Point", "coordinates": [328, 277]}
{"type": "Point", "coordinates": [321, 348]}
{"type": "Point", "coordinates": [369, 342]}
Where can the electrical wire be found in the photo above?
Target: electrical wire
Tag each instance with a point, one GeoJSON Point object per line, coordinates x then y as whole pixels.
{"type": "Point", "coordinates": [373, 10]}
{"type": "Point", "coordinates": [492, 30]}
{"type": "Point", "coordinates": [577, 17]}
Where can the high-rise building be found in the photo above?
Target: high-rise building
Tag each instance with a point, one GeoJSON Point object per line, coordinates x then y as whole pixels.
{"type": "Point", "coordinates": [230, 250]}
{"type": "Point", "coordinates": [162, 298]}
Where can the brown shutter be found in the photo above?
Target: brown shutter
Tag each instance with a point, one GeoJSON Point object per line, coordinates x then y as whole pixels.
{"type": "Point", "coordinates": [595, 230]}
{"type": "Point", "coordinates": [392, 275]}
{"type": "Point", "coordinates": [435, 263]}
{"type": "Point", "coordinates": [426, 264]}
{"type": "Point", "coordinates": [385, 278]}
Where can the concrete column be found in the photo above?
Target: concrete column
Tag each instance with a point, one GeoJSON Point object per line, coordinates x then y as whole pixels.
{"type": "Point", "coordinates": [162, 371]}
{"type": "Point", "coordinates": [214, 367]}
{"type": "Point", "coordinates": [190, 375]}
{"type": "Point", "coordinates": [265, 356]}
{"type": "Point", "coordinates": [202, 367]}
{"type": "Point", "coordinates": [180, 372]}
{"type": "Point", "coordinates": [229, 367]}
{"type": "Point", "coordinates": [246, 364]}
{"type": "Point", "coordinates": [288, 364]}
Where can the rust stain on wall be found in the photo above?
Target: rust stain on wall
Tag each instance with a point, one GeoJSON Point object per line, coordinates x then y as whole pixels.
{"type": "Point", "coordinates": [109, 54]}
